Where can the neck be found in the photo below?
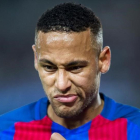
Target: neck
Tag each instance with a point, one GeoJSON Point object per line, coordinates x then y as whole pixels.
{"type": "Point", "coordinates": [88, 114]}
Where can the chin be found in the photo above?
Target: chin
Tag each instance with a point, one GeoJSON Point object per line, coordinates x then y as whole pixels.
{"type": "Point", "coordinates": [68, 115]}
{"type": "Point", "coordinates": [67, 112]}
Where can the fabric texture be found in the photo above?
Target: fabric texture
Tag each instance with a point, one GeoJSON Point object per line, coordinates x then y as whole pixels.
{"type": "Point", "coordinates": [30, 122]}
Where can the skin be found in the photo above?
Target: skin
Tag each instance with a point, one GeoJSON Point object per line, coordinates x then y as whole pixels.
{"type": "Point", "coordinates": [68, 65]}
{"type": "Point", "coordinates": [57, 136]}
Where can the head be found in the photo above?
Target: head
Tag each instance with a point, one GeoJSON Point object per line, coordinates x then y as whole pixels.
{"type": "Point", "coordinates": [69, 17]}
{"type": "Point", "coordinates": [69, 58]}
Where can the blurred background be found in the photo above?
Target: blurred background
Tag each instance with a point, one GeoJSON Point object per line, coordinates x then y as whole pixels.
{"type": "Point", "coordinates": [19, 82]}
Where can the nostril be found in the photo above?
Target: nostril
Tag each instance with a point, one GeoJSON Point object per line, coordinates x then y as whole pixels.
{"type": "Point", "coordinates": [58, 91]}
{"type": "Point", "coordinates": [65, 90]}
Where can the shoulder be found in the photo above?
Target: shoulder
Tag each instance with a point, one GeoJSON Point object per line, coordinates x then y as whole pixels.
{"type": "Point", "coordinates": [33, 111]}
{"type": "Point", "coordinates": [113, 110]}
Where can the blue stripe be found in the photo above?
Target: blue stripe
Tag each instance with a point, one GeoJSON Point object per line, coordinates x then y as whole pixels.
{"type": "Point", "coordinates": [40, 108]}
{"type": "Point", "coordinates": [80, 132]}
{"type": "Point", "coordinates": [133, 131]}
{"type": "Point", "coordinates": [109, 107]}
{"type": "Point", "coordinates": [8, 134]}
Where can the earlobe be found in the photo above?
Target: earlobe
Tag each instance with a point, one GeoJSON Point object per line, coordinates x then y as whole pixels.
{"type": "Point", "coordinates": [105, 60]}
{"type": "Point", "coordinates": [35, 57]}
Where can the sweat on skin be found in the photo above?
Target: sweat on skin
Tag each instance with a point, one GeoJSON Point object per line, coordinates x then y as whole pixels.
{"type": "Point", "coordinates": [69, 69]}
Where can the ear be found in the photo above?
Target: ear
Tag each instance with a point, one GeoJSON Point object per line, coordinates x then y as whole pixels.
{"type": "Point", "coordinates": [35, 57]}
{"type": "Point", "coordinates": [105, 60]}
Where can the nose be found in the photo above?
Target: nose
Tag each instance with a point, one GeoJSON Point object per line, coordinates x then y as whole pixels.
{"type": "Point", "coordinates": [62, 82]}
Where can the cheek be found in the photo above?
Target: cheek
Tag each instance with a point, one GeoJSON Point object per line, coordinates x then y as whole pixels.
{"type": "Point", "coordinates": [47, 83]}
{"type": "Point", "coordinates": [85, 80]}
{"type": "Point", "coordinates": [46, 79]}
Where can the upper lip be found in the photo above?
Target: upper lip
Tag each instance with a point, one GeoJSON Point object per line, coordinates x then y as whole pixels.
{"type": "Point", "coordinates": [64, 95]}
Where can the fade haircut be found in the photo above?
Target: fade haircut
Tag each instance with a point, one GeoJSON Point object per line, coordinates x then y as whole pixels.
{"type": "Point", "coordinates": [70, 17]}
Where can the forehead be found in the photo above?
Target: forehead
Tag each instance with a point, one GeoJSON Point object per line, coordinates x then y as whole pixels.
{"type": "Point", "coordinates": [63, 45]}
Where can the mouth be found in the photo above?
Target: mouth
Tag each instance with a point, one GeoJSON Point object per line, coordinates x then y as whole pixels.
{"type": "Point", "coordinates": [66, 98]}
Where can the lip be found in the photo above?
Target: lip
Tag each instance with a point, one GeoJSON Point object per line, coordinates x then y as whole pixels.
{"type": "Point", "coordinates": [66, 98]}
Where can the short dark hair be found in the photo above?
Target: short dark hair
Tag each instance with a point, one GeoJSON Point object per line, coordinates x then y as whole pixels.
{"type": "Point", "coordinates": [70, 17]}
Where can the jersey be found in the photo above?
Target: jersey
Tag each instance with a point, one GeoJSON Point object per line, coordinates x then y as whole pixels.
{"type": "Point", "coordinates": [30, 122]}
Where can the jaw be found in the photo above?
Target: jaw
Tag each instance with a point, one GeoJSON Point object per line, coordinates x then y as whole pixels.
{"type": "Point", "coordinates": [74, 121]}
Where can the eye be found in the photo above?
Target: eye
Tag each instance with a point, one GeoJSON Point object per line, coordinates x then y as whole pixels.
{"type": "Point", "coordinates": [49, 68]}
{"type": "Point", "coordinates": [75, 68]}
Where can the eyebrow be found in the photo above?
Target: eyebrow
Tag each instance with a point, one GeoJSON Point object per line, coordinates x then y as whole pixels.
{"type": "Point", "coordinates": [46, 61]}
{"type": "Point", "coordinates": [76, 62]}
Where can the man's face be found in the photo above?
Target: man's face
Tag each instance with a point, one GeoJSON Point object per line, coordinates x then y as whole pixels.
{"type": "Point", "coordinates": [68, 68]}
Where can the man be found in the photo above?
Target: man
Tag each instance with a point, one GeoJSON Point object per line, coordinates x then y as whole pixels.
{"type": "Point", "coordinates": [69, 58]}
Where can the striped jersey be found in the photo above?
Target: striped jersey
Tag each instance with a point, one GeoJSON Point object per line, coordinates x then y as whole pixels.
{"type": "Point", "coordinates": [30, 122]}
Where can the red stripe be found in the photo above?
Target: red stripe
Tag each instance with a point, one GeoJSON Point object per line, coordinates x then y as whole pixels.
{"type": "Point", "coordinates": [103, 129]}
{"type": "Point", "coordinates": [34, 130]}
